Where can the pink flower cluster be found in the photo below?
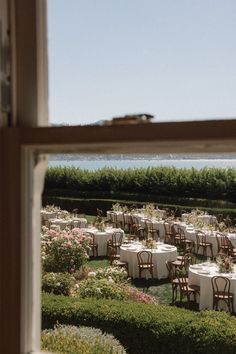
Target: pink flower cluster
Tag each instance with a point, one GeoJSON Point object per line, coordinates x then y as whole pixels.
{"type": "Point", "coordinates": [136, 295]}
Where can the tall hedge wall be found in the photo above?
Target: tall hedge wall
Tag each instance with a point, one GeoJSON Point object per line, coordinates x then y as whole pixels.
{"type": "Point", "coordinates": [146, 329]}
{"type": "Point", "coordinates": [207, 183]}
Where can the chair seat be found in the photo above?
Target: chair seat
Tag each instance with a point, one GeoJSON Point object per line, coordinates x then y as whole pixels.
{"type": "Point", "coordinates": [205, 244]}
{"type": "Point", "coordinates": [223, 295]}
{"type": "Point", "coordinates": [180, 258]}
{"type": "Point", "coordinates": [177, 263]}
{"type": "Point", "coordinates": [120, 263]}
{"type": "Point", "coordinates": [149, 265]}
{"type": "Point", "coordinates": [194, 288]}
{"type": "Point", "coordinates": [177, 281]}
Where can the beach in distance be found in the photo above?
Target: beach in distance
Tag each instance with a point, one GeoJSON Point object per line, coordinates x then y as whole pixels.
{"type": "Point", "coordinates": [95, 162]}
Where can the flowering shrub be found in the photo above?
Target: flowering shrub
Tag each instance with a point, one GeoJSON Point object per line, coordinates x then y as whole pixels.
{"type": "Point", "coordinates": [58, 283]}
{"type": "Point", "coordinates": [108, 289]}
{"type": "Point", "coordinates": [101, 289]}
{"type": "Point", "coordinates": [86, 340]}
{"type": "Point", "coordinates": [136, 295]}
{"type": "Point", "coordinates": [117, 274]}
{"type": "Point", "coordinates": [63, 251]}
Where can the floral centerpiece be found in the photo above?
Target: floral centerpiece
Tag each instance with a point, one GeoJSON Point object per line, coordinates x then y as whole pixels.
{"type": "Point", "coordinates": [120, 208]}
{"type": "Point", "coordinates": [150, 243]}
{"type": "Point", "coordinates": [116, 207]}
{"type": "Point", "coordinates": [51, 208]}
{"type": "Point", "coordinates": [225, 264]}
{"type": "Point", "coordinates": [149, 210]}
{"type": "Point", "coordinates": [99, 223]}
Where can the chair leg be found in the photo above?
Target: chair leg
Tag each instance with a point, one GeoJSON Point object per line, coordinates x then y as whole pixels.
{"type": "Point", "coordinates": [232, 306]}
{"type": "Point", "coordinates": [174, 293]}
{"type": "Point", "coordinates": [211, 251]}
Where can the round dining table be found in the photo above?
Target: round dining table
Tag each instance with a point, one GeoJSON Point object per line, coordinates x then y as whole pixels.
{"type": "Point", "coordinates": [201, 274]}
{"type": "Point", "coordinates": [101, 237]}
{"type": "Point", "coordinates": [211, 237]}
{"type": "Point", "coordinates": [71, 223]}
{"type": "Point", "coordinates": [161, 254]}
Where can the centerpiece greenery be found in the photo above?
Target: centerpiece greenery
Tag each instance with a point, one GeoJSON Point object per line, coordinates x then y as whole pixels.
{"type": "Point", "coordinates": [150, 243]}
{"type": "Point", "coordinates": [225, 264]}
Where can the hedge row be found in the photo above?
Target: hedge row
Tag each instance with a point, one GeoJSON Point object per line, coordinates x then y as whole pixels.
{"type": "Point", "coordinates": [146, 329]}
{"type": "Point", "coordinates": [139, 197]}
{"type": "Point", "coordinates": [207, 183]}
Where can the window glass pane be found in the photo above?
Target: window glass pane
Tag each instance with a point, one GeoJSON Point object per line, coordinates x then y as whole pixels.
{"type": "Point", "coordinates": [174, 60]}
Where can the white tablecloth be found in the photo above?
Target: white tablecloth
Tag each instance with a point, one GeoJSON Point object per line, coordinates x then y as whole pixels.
{"type": "Point", "coordinates": [197, 277]}
{"type": "Point", "coordinates": [205, 218]}
{"type": "Point", "coordinates": [46, 215]}
{"type": "Point", "coordinates": [101, 237]}
{"type": "Point", "coordinates": [190, 234]}
{"type": "Point", "coordinates": [141, 218]}
{"type": "Point", "coordinates": [163, 253]}
{"type": "Point", "coordinates": [71, 223]}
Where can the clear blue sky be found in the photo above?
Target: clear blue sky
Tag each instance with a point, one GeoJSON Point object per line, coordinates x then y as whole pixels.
{"type": "Point", "coordinates": [175, 59]}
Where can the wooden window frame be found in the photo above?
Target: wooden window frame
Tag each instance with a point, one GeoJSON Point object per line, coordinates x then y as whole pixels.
{"type": "Point", "coordinates": [23, 148]}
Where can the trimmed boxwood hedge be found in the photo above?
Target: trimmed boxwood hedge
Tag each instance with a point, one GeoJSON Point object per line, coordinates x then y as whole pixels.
{"type": "Point", "coordinates": [146, 329]}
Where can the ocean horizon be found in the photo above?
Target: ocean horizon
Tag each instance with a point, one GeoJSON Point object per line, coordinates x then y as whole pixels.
{"type": "Point", "coordinates": [95, 162]}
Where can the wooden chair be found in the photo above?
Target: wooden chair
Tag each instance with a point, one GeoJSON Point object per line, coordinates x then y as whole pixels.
{"type": "Point", "coordinates": [202, 242]}
{"type": "Point", "coordinates": [115, 222]}
{"type": "Point", "coordinates": [145, 262]}
{"type": "Point", "coordinates": [184, 263]}
{"type": "Point", "coordinates": [232, 250]}
{"type": "Point", "coordinates": [139, 231]}
{"type": "Point", "coordinates": [126, 224]}
{"type": "Point", "coordinates": [174, 280]}
{"type": "Point", "coordinates": [169, 233]}
{"type": "Point", "coordinates": [153, 233]}
{"type": "Point", "coordinates": [114, 258]}
{"type": "Point", "coordinates": [189, 249]}
{"type": "Point", "coordinates": [221, 292]}
{"type": "Point", "coordinates": [93, 243]}
{"type": "Point", "coordinates": [187, 290]}
{"type": "Point", "coordinates": [182, 240]}
{"type": "Point", "coordinates": [115, 241]}
{"type": "Point", "coordinates": [222, 243]}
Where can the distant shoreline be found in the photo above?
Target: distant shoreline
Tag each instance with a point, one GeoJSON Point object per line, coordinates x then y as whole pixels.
{"type": "Point", "coordinates": [118, 157]}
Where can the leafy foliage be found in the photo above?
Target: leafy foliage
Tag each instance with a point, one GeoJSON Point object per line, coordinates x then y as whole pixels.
{"type": "Point", "coordinates": [150, 328]}
{"type": "Point", "coordinates": [84, 340]}
{"type": "Point", "coordinates": [58, 283]}
{"type": "Point", "coordinates": [209, 183]}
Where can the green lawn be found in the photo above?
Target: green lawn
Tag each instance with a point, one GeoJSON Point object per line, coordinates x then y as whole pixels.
{"type": "Point", "coordinates": [160, 289]}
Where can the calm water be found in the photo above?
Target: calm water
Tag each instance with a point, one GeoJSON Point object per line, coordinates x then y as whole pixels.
{"type": "Point", "coordinates": [182, 163]}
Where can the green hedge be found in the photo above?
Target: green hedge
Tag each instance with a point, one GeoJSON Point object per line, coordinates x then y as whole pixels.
{"type": "Point", "coordinates": [139, 197]}
{"type": "Point", "coordinates": [146, 329]}
{"type": "Point", "coordinates": [207, 183]}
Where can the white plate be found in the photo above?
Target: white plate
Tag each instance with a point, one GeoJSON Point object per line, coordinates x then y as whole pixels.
{"type": "Point", "coordinates": [203, 272]}
{"type": "Point", "coordinates": [167, 249]}
{"type": "Point", "coordinates": [195, 266]}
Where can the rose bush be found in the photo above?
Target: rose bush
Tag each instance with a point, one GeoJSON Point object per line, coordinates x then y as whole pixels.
{"type": "Point", "coordinates": [63, 251]}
